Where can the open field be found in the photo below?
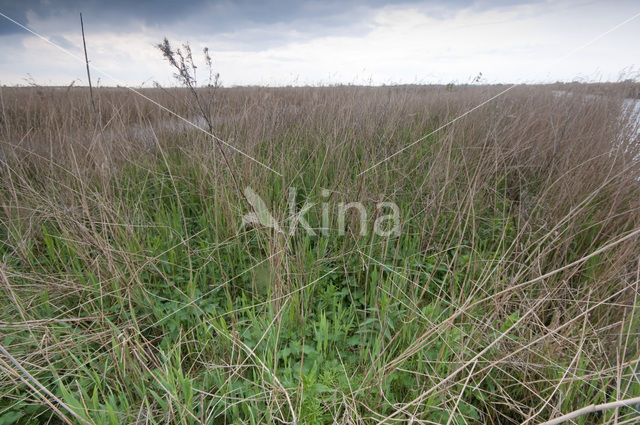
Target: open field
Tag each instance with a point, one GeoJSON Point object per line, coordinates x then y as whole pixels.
{"type": "Point", "coordinates": [131, 293]}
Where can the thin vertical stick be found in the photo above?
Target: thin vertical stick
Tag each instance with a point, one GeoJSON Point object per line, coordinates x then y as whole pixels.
{"type": "Point", "coordinates": [86, 61]}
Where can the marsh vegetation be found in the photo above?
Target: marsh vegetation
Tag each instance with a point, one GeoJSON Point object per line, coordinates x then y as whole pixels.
{"type": "Point", "coordinates": [130, 293]}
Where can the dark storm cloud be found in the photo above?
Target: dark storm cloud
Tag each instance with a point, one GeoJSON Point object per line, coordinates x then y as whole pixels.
{"type": "Point", "coordinates": [115, 13]}
{"type": "Point", "coordinates": [216, 16]}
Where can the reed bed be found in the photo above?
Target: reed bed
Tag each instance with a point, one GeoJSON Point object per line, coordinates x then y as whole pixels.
{"type": "Point", "coordinates": [131, 294]}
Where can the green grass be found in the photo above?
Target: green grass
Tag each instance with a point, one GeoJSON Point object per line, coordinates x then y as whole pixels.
{"type": "Point", "coordinates": [134, 297]}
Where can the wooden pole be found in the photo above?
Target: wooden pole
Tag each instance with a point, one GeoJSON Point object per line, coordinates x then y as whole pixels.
{"type": "Point", "coordinates": [86, 61]}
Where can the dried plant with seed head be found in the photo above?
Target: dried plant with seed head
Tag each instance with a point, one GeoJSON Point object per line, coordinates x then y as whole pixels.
{"type": "Point", "coordinates": [214, 78]}
{"type": "Point", "coordinates": [186, 67]}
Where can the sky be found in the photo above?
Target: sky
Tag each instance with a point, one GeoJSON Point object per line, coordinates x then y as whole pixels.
{"type": "Point", "coordinates": [315, 42]}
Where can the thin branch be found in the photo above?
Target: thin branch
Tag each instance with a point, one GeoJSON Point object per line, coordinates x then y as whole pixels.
{"type": "Point", "coordinates": [592, 408]}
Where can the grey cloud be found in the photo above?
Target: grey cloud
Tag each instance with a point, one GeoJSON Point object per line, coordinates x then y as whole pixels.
{"type": "Point", "coordinates": [116, 13]}
{"type": "Point", "coordinates": [218, 16]}
{"type": "Point", "coordinates": [248, 25]}
{"type": "Point", "coordinates": [63, 42]}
